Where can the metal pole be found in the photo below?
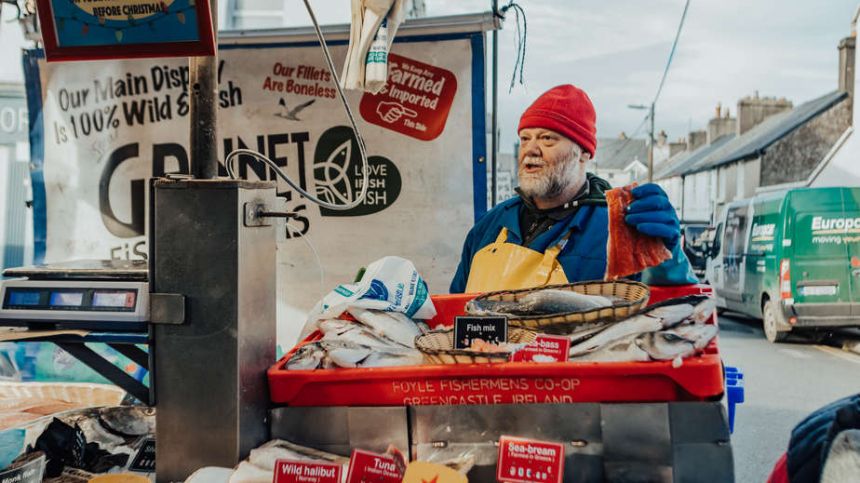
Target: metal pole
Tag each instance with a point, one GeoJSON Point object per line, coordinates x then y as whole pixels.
{"type": "Point", "coordinates": [203, 108]}
{"type": "Point", "coordinates": [494, 122]}
{"type": "Point", "coordinates": [651, 151]}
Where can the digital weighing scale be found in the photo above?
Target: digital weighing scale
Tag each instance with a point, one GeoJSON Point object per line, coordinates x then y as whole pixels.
{"type": "Point", "coordinates": [85, 294]}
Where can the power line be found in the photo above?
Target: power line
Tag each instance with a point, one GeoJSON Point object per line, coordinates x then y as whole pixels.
{"type": "Point", "coordinates": [672, 52]}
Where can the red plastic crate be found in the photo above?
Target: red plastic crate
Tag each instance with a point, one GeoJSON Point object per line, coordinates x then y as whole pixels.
{"type": "Point", "coordinates": [700, 378]}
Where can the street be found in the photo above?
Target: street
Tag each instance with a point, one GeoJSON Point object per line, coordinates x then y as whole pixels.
{"type": "Point", "coordinates": [783, 384]}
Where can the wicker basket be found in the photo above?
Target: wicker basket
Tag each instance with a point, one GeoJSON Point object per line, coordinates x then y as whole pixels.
{"type": "Point", "coordinates": [438, 348]}
{"type": "Point", "coordinates": [633, 295]}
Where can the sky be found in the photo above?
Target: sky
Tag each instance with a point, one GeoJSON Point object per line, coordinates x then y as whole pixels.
{"type": "Point", "coordinates": [616, 51]}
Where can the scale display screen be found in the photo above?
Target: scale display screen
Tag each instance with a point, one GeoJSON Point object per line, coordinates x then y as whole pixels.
{"type": "Point", "coordinates": [24, 297]}
{"type": "Point", "coordinates": [114, 299]}
{"type": "Point", "coordinates": [66, 299]}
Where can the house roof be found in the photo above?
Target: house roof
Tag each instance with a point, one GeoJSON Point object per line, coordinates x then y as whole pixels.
{"type": "Point", "coordinates": [683, 162]}
{"type": "Point", "coordinates": [617, 153]}
{"type": "Point", "coordinates": [754, 142]}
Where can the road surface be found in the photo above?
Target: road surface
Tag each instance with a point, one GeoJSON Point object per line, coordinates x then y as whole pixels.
{"type": "Point", "coordinates": [783, 384]}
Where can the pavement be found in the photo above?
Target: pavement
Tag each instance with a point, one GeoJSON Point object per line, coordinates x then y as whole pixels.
{"type": "Point", "coordinates": [783, 384]}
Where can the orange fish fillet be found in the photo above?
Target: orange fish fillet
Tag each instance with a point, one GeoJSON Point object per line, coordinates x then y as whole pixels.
{"type": "Point", "coordinates": [628, 251]}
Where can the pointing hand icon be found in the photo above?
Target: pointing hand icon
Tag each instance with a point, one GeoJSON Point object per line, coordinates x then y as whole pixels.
{"type": "Point", "coordinates": [391, 112]}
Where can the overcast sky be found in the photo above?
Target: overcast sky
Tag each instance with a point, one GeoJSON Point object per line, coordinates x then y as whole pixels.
{"type": "Point", "coordinates": [616, 50]}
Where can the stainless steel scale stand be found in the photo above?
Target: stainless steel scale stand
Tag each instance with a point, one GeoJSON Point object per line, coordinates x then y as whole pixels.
{"type": "Point", "coordinates": [212, 279]}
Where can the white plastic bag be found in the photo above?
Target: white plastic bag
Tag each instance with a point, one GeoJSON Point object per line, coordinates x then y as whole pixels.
{"type": "Point", "coordinates": [391, 284]}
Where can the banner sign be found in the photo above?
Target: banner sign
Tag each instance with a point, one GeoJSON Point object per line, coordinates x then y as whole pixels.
{"type": "Point", "coordinates": [102, 129]}
{"type": "Point", "coordinates": [125, 29]}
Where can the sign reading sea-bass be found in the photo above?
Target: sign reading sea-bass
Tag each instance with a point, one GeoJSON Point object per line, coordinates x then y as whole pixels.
{"type": "Point", "coordinates": [107, 128]}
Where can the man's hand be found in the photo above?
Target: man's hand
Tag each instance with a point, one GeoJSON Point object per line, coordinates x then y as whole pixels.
{"type": "Point", "coordinates": [652, 214]}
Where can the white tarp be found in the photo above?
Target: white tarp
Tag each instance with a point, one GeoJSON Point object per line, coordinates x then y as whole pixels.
{"type": "Point", "coordinates": [109, 126]}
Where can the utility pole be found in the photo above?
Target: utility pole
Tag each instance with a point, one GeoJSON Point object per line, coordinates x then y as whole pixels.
{"type": "Point", "coordinates": [650, 136]}
{"type": "Point", "coordinates": [651, 150]}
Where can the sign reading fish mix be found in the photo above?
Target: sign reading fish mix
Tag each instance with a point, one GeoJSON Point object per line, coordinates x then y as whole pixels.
{"type": "Point", "coordinates": [528, 461]}
{"type": "Point", "coordinates": [467, 330]}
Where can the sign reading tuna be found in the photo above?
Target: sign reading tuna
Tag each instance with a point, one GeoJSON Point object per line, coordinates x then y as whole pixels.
{"type": "Point", "coordinates": [415, 101]}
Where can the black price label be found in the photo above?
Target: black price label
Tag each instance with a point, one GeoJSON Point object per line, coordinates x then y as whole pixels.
{"type": "Point", "coordinates": [493, 330]}
{"type": "Point", "coordinates": [144, 461]}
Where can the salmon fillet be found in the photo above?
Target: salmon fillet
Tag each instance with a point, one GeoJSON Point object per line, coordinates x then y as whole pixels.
{"type": "Point", "coordinates": [628, 251]}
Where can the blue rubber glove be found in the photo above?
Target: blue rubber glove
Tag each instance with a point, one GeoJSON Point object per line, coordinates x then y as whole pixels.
{"type": "Point", "coordinates": [652, 214]}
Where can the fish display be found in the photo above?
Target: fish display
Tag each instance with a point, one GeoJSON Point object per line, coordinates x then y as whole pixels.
{"type": "Point", "coordinates": [328, 354]}
{"type": "Point", "coordinates": [669, 330]}
{"type": "Point", "coordinates": [395, 326]}
{"type": "Point", "coordinates": [621, 259]}
{"type": "Point", "coordinates": [540, 302]}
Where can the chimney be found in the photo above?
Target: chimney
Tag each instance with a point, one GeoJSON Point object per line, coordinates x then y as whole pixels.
{"type": "Point", "coordinates": [677, 147]}
{"type": "Point", "coordinates": [697, 139]}
{"type": "Point", "coordinates": [846, 67]}
{"type": "Point", "coordinates": [753, 110]}
{"type": "Point", "coordinates": [662, 137]}
{"type": "Point", "coordinates": [720, 125]}
{"type": "Point", "coordinates": [622, 136]}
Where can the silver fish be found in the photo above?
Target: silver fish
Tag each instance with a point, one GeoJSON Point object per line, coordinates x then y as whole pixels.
{"type": "Point", "coordinates": [348, 354]}
{"type": "Point", "coordinates": [680, 342]}
{"type": "Point", "coordinates": [265, 456]}
{"type": "Point", "coordinates": [633, 326]}
{"type": "Point", "coordinates": [621, 350]}
{"type": "Point", "coordinates": [540, 302]}
{"type": "Point", "coordinates": [355, 333]}
{"type": "Point", "coordinates": [128, 420]}
{"type": "Point", "coordinates": [307, 357]}
{"type": "Point", "coordinates": [393, 325]}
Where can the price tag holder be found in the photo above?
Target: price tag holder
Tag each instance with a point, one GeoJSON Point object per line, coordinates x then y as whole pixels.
{"type": "Point", "coordinates": [529, 461]}
{"type": "Point", "coordinates": [366, 467]}
{"type": "Point", "coordinates": [493, 330]}
{"type": "Point", "coordinates": [545, 348]}
{"type": "Point", "coordinates": [292, 471]}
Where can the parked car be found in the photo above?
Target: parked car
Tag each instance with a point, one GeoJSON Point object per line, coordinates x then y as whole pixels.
{"type": "Point", "coordinates": [791, 258]}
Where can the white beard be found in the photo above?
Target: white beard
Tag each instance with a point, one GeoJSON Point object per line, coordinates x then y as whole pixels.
{"type": "Point", "coordinates": [552, 183]}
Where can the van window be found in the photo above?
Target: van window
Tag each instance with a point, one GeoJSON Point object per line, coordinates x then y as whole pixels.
{"type": "Point", "coordinates": [734, 241]}
{"type": "Point", "coordinates": [718, 240]}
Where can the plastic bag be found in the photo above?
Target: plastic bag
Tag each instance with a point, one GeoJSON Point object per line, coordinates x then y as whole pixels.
{"type": "Point", "coordinates": [391, 284]}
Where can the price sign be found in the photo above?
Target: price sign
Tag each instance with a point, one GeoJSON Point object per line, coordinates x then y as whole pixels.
{"type": "Point", "coordinates": [291, 471]}
{"type": "Point", "coordinates": [529, 461]}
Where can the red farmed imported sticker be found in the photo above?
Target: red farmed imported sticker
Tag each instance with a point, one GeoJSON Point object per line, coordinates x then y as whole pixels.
{"type": "Point", "coordinates": [367, 467]}
{"type": "Point", "coordinates": [290, 471]}
{"type": "Point", "coordinates": [529, 461]}
{"type": "Point", "coordinates": [545, 348]}
{"type": "Point", "coordinates": [415, 101]}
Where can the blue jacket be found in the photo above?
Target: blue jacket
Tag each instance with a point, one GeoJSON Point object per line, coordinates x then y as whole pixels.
{"type": "Point", "coordinates": [583, 257]}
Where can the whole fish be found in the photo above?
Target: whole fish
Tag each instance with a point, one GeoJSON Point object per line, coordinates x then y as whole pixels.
{"type": "Point", "coordinates": [622, 350]}
{"type": "Point", "coordinates": [307, 357]}
{"type": "Point", "coordinates": [680, 342]}
{"type": "Point", "coordinates": [328, 354]}
{"type": "Point", "coordinates": [392, 325]}
{"type": "Point", "coordinates": [636, 325]}
{"type": "Point", "coordinates": [675, 311]}
{"type": "Point", "coordinates": [347, 331]}
{"type": "Point", "coordinates": [539, 302]}
{"type": "Point", "coordinates": [659, 316]}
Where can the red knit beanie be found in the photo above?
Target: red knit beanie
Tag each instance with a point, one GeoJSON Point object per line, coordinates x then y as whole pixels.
{"type": "Point", "coordinates": [566, 110]}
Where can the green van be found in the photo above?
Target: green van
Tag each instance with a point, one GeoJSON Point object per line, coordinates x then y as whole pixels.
{"type": "Point", "coordinates": [791, 258]}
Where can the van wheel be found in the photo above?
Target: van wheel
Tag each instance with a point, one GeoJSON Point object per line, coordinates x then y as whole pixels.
{"type": "Point", "coordinates": [771, 327]}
